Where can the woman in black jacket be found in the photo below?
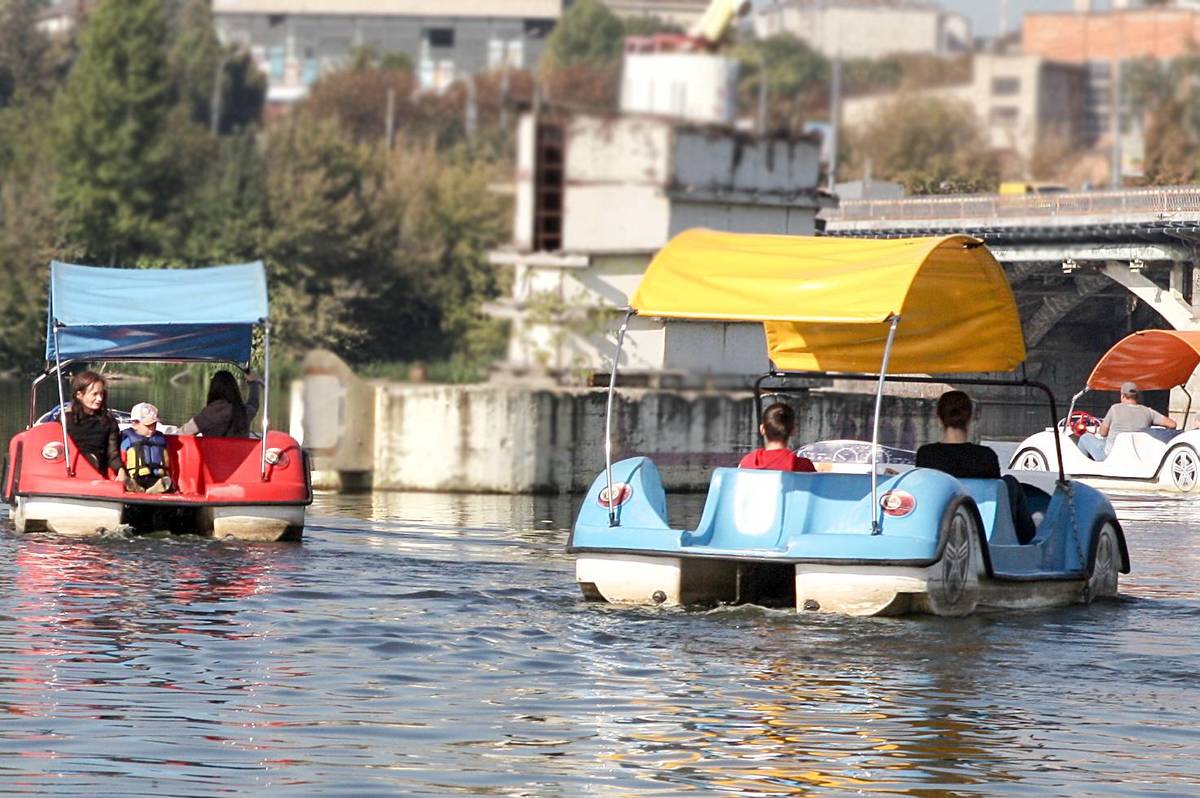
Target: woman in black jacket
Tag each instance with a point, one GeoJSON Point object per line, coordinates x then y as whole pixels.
{"type": "Point", "coordinates": [226, 415]}
{"type": "Point", "coordinates": [91, 426]}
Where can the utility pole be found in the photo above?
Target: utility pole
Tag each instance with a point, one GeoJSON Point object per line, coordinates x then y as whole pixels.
{"type": "Point", "coordinates": [214, 105]}
{"type": "Point", "coordinates": [389, 123]}
{"type": "Point", "coordinates": [505, 95]}
{"type": "Point", "coordinates": [762, 94]}
{"type": "Point", "coordinates": [471, 111]}
{"type": "Point", "coordinates": [1115, 171]}
{"type": "Point", "coordinates": [835, 117]}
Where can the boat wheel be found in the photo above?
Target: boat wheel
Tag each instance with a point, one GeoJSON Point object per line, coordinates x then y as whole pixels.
{"type": "Point", "coordinates": [1106, 564]}
{"type": "Point", "coordinates": [957, 559]}
{"type": "Point", "coordinates": [1030, 460]}
{"type": "Point", "coordinates": [1184, 468]}
{"type": "Point", "coordinates": [953, 586]}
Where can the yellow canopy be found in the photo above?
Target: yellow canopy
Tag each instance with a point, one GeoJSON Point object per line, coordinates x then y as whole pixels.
{"type": "Point", "coordinates": [826, 303]}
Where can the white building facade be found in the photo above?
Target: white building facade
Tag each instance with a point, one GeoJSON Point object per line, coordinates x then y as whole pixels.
{"type": "Point", "coordinates": [683, 13]}
{"type": "Point", "coordinates": [295, 41]}
{"type": "Point", "coordinates": [597, 197]}
{"type": "Point", "coordinates": [1019, 100]}
{"type": "Point", "coordinates": [866, 28]}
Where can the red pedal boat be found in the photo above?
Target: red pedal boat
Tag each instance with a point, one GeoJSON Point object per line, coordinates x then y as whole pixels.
{"type": "Point", "coordinates": [246, 488]}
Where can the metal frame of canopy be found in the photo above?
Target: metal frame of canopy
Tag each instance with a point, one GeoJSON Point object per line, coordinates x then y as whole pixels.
{"type": "Point", "coordinates": [878, 378]}
{"type": "Point", "coordinates": [706, 275]}
{"type": "Point", "coordinates": [59, 364]}
{"type": "Point", "coordinates": [920, 380]}
{"type": "Point", "coordinates": [211, 301]}
{"type": "Point", "coordinates": [887, 352]}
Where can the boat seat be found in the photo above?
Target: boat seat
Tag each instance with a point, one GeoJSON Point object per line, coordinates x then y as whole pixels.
{"type": "Point", "coordinates": [184, 465]}
{"type": "Point", "coordinates": [991, 497]}
{"type": "Point", "coordinates": [200, 464]}
{"type": "Point", "coordinates": [749, 509]}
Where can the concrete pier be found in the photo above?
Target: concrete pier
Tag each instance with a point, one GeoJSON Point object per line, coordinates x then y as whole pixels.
{"type": "Point", "coordinates": [484, 438]}
{"type": "Point", "coordinates": [493, 438]}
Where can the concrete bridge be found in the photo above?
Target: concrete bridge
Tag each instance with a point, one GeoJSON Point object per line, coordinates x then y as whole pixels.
{"type": "Point", "coordinates": [1087, 267]}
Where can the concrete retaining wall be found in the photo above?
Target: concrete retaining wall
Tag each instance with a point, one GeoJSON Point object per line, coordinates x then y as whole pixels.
{"type": "Point", "coordinates": [487, 438]}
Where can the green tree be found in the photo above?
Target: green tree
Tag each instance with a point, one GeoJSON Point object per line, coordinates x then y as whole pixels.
{"type": "Point", "coordinates": [219, 85]}
{"type": "Point", "coordinates": [649, 26]}
{"type": "Point", "coordinates": [328, 232]}
{"type": "Point", "coordinates": [119, 182]}
{"type": "Point", "coordinates": [367, 56]}
{"type": "Point", "coordinates": [1167, 95]}
{"type": "Point", "coordinates": [24, 51]}
{"type": "Point", "coordinates": [449, 221]}
{"type": "Point", "coordinates": [28, 230]}
{"type": "Point", "coordinates": [226, 209]}
{"type": "Point", "coordinates": [932, 146]}
{"type": "Point", "coordinates": [797, 80]}
{"type": "Point", "coordinates": [358, 98]}
{"type": "Point", "coordinates": [588, 34]}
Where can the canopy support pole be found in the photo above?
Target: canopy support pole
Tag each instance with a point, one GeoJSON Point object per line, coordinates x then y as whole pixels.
{"type": "Point", "coordinates": [266, 411]}
{"type": "Point", "coordinates": [612, 385]}
{"type": "Point", "coordinates": [1187, 410]}
{"type": "Point", "coordinates": [1071, 409]}
{"type": "Point", "coordinates": [62, 404]}
{"type": "Point", "coordinates": [887, 353]}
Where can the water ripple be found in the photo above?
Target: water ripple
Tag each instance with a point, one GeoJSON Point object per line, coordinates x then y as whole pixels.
{"type": "Point", "coordinates": [436, 645]}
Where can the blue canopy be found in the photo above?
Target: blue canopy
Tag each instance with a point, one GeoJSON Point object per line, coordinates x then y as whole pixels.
{"type": "Point", "coordinates": [155, 314]}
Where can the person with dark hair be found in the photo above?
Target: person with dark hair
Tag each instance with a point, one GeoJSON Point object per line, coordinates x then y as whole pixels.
{"type": "Point", "coordinates": [955, 454]}
{"type": "Point", "coordinates": [958, 457]}
{"type": "Point", "coordinates": [90, 425]}
{"type": "Point", "coordinates": [225, 415]}
{"type": "Point", "coordinates": [778, 424]}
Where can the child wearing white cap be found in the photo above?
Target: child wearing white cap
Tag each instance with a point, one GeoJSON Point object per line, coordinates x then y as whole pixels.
{"type": "Point", "coordinates": [144, 450]}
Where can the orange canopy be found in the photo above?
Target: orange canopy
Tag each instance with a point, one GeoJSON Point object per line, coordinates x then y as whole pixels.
{"type": "Point", "coordinates": [1154, 359]}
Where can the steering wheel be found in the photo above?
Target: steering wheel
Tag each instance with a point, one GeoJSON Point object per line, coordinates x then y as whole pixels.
{"type": "Point", "coordinates": [1081, 421]}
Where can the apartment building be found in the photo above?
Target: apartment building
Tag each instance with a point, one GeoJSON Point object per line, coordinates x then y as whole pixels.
{"type": "Point", "coordinates": [683, 13]}
{"type": "Point", "coordinates": [295, 41]}
{"type": "Point", "coordinates": [1019, 100]}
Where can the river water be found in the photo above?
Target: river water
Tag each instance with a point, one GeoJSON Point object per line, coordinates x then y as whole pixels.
{"type": "Point", "coordinates": [437, 645]}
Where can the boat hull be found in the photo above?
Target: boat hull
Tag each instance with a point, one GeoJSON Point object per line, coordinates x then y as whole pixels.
{"type": "Point", "coordinates": [74, 517]}
{"type": "Point", "coordinates": [860, 591]}
{"type": "Point", "coordinates": [85, 518]}
{"type": "Point", "coordinates": [221, 489]}
{"type": "Point", "coordinates": [266, 524]}
{"type": "Point", "coordinates": [806, 541]}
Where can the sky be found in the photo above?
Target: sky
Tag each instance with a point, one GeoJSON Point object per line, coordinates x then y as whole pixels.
{"type": "Point", "coordinates": [985, 14]}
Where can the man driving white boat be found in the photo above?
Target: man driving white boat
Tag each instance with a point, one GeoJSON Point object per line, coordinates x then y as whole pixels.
{"type": "Point", "coordinates": [1129, 415]}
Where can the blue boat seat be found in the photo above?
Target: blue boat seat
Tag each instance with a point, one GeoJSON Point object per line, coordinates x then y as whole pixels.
{"type": "Point", "coordinates": [752, 510]}
{"type": "Point", "coordinates": [991, 497]}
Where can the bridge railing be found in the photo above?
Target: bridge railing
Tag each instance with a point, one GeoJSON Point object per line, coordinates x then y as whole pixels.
{"type": "Point", "coordinates": [1164, 200]}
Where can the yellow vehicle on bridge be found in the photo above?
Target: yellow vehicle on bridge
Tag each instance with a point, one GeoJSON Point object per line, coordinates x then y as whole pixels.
{"type": "Point", "coordinates": [1021, 188]}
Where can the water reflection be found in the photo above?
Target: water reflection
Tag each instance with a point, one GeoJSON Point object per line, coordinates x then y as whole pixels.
{"type": "Point", "coordinates": [417, 644]}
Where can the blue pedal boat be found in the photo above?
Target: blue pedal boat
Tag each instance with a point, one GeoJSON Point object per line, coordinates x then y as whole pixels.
{"type": "Point", "coordinates": [884, 542]}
